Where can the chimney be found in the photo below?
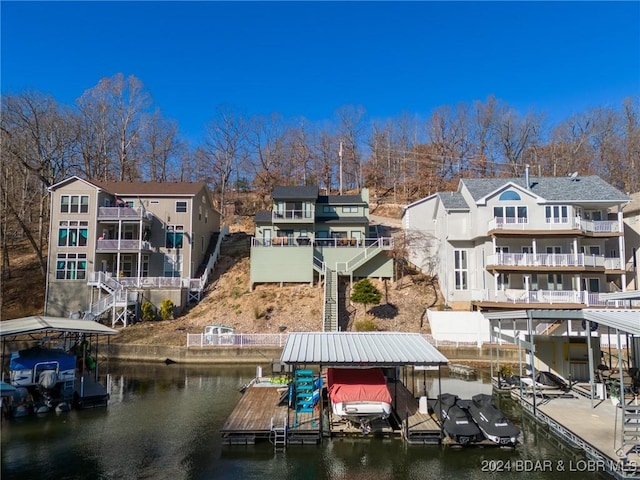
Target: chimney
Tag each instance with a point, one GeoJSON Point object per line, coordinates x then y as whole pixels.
{"type": "Point", "coordinates": [526, 176]}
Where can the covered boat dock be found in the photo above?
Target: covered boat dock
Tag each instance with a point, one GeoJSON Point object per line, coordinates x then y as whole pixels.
{"type": "Point", "coordinates": [581, 414]}
{"type": "Point", "coordinates": [62, 334]}
{"type": "Point", "coordinates": [307, 355]}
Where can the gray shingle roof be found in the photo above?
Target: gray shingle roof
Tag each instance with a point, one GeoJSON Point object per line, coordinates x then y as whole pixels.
{"type": "Point", "coordinates": [554, 189]}
{"type": "Point", "coordinates": [295, 193]}
{"type": "Point", "coordinates": [360, 349]}
{"type": "Point", "coordinates": [453, 201]}
{"type": "Point", "coordinates": [341, 200]}
{"type": "Point", "coordinates": [263, 216]}
{"type": "Point", "coordinates": [344, 220]}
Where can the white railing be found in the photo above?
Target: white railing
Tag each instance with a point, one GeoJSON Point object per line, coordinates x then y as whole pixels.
{"type": "Point", "coordinates": [553, 260]}
{"type": "Point", "coordinates": [154, 282]}
{"type": "Point", "coordinates": [564, 223]}
{"type": "Point", "coordinates": [237, 340]}
{"type": "Point", "coordinates": [606, 226]}
{"type": "Point", "coordinates": [199, 283]}
{"type": "Point", "coordinates": [381, 242]}
{"type": "Point", "coordinates": [514, 295]}
{"type": "Point", "coordinates": [122, 244]}
{"type": "Point", "coordinates": [122, 212]}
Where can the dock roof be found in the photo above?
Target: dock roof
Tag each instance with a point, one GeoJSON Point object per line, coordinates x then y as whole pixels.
{"type": "Point", "coordinates": [37, 323]}
{"type": "Point", "coordinates": [362, 349]}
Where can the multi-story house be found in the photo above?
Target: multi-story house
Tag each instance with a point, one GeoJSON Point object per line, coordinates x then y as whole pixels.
{"type": "Point", "coordinates": [631, 219]}
{"type": "Point", "coordinates": [114, 245]}
{"type": "Point", "coordinates": [521, 242]}
{"type": "Point", "coordinates": [308, 237]}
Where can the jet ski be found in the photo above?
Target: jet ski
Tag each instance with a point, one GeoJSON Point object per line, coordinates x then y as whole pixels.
{"type": "Point", "coordinates": [492, 422]}
{"type": "Point", "coordinates": [456, 421]}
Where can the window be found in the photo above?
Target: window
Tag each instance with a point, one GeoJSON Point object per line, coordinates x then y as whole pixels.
{"type": "Point", "coordinates": [303, 232]}
{"type": "Point", "coordinates": [509, 195]}
{"type": "Point", "coordinates": [199, 212]}
{"type": "Point", "coordinates": [511, 214]}
{"type": "Point", "coordinates": [554, 281]}
{"type": "Point", "coordinates": [590, 249]}
{"type": "Point", "coordinates": [350, 209]}
{"type": "Point", "coordinates": [328, 209]}
{"type": "Point", "coordinates": [503, 281]}
{"type": "Point", "coordinates": [73, 234]}
{"type": "Point", "coordinates": [129, 203]}
{"type": "Point", "coordinates": [172, 266]}
{"type": "Point", "coordinates": [181, 207]}
{"type": "Point", "coordinates": [126, 265]}
{"type": "Point", "coordinates": [460, 269]}
{"type": "Point", "coordinates": [174, 236]}
{"type": "Point", "coordinates": [322, 234]}
{"type": "Point", "coordinates": [556, 214]}
{"type": "Point", "coordinates": [591, 285]}
{"type": "Point", "coordinates": [144, 271]}
{"type": "Point", "coordinates": [71, 266]}
{"type": "Point", "coordinates": [74, 204]}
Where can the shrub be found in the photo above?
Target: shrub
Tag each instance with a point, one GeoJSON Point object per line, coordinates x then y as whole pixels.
{"type": "Point", "coordinates": [166, 309]}
{"type": "Point", "coordinates": [366, 293]}
{"type": "Point", "coordinates": [148, 312]}
{"type": "Point", "coordinates": [366, 325]}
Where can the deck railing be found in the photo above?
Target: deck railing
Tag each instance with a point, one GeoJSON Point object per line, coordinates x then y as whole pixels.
{"type": "Point", "coordinates": [550, 297]}
{"type": "Point", "coordinates": [279, 242]}
{"type": "Point", "coordinates": [564, 223]}
{"type": "Point", "coordinates": [553, 260]}
{"type": "Point", "coordinates": [124, 212]}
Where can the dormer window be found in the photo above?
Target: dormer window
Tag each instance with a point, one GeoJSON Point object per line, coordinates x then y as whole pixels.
{"type": "Point", "coordinates": [509, 196]}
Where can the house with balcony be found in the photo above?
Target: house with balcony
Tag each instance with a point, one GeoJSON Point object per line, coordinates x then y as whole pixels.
{"type": "Point", "coordinates": [631, 220]}
{"type": "Point", "coordinates": [114, 245]}
{"type": "Point", "coordinates": [307, 238]}
{"type": "Point", "coordinates": [532, 242]}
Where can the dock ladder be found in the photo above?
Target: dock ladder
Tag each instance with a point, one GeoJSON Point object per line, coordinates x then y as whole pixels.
{"type": "Point", "coordinates": [279, 434]}
{"type": "Point", "coordinates": [303, 384]}
{"type": "Point", "coordinates": [631, 428]}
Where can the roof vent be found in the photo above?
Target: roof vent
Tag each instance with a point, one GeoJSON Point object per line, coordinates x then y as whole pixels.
{"type": "Point", "coordinates": [573, 176]}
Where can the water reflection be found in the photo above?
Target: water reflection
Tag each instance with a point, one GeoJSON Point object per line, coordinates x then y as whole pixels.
{"type": "Point", "coordinates": [164, 421]}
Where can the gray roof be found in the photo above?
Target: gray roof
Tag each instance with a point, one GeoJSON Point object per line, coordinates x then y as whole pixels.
{"type": "Point", "coordinates": [263, 216]}
{"type": "Point", "coordinates": [628, 295]}
{"type": "Point", "coordinates": [453, 201]}
{"type": "Point", "coordinates": [295, 193]}
{"type": "Point", "coordinates": [341, 200]}
{"type": "Point", "coordinates": [361, 349]}
{"type": "Point", "coordinates": [554, 189]}
{"type": "Point", "coordinates": [37, 323]}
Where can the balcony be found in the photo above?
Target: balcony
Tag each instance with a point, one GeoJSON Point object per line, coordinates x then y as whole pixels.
{"type": "Point", "coordinates": [293, 216]}
{"type": "Point", "coordinates": [122, 213]}
{"type": "Point", "coordinates": [522, 261]}
{"type": "Point", "coordinates": [574, 225]}
{"type": "Point", "coordinates": [120, 245]}
{"type": "Point", "coordinates": [520, 297]}
{"type": "Point", "coordinates": [279, 242]}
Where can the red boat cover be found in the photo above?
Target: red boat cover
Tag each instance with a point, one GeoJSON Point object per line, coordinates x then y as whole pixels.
{"type": "Point", "coordinates": [357, 385]}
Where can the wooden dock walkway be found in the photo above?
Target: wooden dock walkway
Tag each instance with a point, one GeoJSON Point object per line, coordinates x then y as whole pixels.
{"type": "Point", "coordinates": [259, 410]}
{"type": "Point", "coordinates": [416, 427]}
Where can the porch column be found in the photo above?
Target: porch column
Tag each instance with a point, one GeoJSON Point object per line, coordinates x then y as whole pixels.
{"type": "Point", "coordinates": [575, 250]}
{"type": "Point", "coordinates": [578, 282]}
{"type": "Point", "coordinates": [592, 384]}
{"type": "Point", "coordinates": [623, 256]}
{"type": "Point", "coordinates": [140, 226]}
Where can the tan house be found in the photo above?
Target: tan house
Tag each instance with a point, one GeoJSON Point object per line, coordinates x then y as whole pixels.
{"type": "Point", "coordinates": [114, 245]}
{"type": "Point", "coordinates": [531, 242]}
{"type": "Point", "coordinates": [631, 219]}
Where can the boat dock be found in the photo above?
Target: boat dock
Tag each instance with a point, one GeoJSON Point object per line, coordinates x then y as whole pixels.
{"type": "Point", "coordinates": [261, 415]}
{"type": "Point", "coordinates": [600, 438]}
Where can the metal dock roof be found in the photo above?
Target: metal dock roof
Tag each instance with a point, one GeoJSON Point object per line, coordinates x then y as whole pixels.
{"type": "Point", "coordinates": [37, 323]}
{"type": "Point", "coordinates": [360, 349]}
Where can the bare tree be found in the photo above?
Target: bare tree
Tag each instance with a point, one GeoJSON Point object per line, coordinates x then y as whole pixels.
{"type": "Point", "coordinates": [160, 149]}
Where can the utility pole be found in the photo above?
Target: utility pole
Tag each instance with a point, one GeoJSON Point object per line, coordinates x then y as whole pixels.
{"type": "Point", "coordinates": [340, 154]}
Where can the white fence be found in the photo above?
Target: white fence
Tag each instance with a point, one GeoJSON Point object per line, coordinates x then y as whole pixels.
{"type": "Point", "coordinates": [279, 340]}
{"type": "Point", "coordinates": [237, 340]}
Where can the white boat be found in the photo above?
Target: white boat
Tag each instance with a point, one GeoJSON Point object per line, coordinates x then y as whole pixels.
{"type": "Point", "coordinates": [359, 395]}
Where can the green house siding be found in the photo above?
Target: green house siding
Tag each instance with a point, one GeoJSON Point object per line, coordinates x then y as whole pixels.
{"type": "Point", "coordinates": [281, 264]}
{"type": "Point", "coordinates": [380, 266]}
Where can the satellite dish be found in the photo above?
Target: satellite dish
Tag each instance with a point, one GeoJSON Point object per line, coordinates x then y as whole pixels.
{"type": "Point", "coordinates": [573, 175]}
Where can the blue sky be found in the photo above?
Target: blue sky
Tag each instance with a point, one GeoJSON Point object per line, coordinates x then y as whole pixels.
{"type": "Point", "coordinates": [307, 59]}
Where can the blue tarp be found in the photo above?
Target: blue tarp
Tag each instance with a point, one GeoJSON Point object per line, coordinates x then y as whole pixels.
{"type": "Point", "coordinates": [27, 359]}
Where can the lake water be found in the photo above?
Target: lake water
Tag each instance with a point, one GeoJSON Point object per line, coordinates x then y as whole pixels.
{"type": "Point", "coordinates": [163, 422]}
